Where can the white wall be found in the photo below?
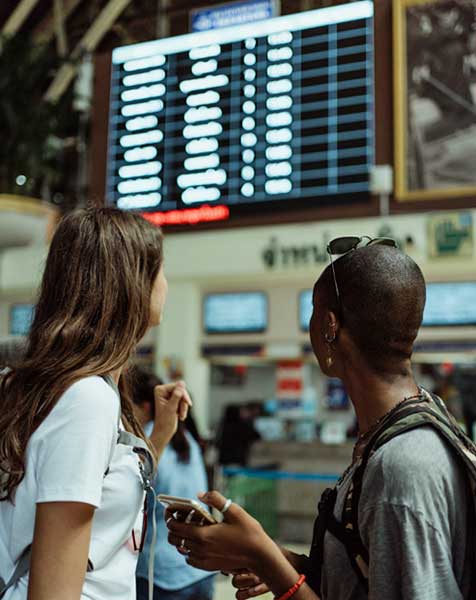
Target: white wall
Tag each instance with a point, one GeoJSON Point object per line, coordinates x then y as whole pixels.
{"type": "Point", "coordinates": [234, 256]}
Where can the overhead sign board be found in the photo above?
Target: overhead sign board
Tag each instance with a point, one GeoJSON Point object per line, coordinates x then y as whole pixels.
{"type": "Point", "coordinates": [233, 13]}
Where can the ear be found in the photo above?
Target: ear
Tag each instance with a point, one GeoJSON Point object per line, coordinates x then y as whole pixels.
{"type": "Point", "coordinates": [331, 325]}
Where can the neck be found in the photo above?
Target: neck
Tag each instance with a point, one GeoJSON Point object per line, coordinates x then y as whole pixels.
{"type": "Point", "coordinates": [116, 375]}
{"type": "Point", "coordinates": [374, 395]}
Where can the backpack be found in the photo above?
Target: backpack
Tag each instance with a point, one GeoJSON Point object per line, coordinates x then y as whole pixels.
{"type": "Point", "coordinates": [146, 467]}
{"type": "Point", "coordinates": [426, 410]}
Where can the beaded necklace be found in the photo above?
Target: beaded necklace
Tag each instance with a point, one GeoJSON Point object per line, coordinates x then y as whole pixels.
{"type": "Point", "coordinates": [364, 437]}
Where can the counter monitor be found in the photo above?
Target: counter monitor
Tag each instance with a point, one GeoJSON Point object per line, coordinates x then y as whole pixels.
{"type": "Point", "coordinates": [235, 312]}
{"type": "Point", "coordinates": [450, 304]}
{"type": "Point", "coordinates": [21, 317]}
{"type": "Point", "coordinates": [305, 309]}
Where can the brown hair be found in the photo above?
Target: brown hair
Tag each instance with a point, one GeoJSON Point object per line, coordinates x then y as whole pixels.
{"type": "Point", "coordinates": [92, 310]}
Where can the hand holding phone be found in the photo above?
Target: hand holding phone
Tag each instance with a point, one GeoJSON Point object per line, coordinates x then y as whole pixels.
{"type": "Point", "coordinates": [192, 510]}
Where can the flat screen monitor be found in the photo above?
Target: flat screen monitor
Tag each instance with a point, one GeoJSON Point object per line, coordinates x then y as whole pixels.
{"type": "Point", "coordinates": [269, 115]}
{"type": "Point", "coordinates": [21, 317]}
{"type": "Point", "coordinates": [305, 309]}
{"type": "Point", "coordinates": [235, 312]}
{"type": "Point", "coordinates": [450, 304]}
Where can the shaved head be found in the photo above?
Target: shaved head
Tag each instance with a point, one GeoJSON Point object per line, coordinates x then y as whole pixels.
{"type": "Point", "coordinates": [382, 293]}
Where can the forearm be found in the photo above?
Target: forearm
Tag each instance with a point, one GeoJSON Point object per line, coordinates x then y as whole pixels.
{"type": "Point", "coordinates": [280, 570]}
{"type": "Point", "coordinates": [159, 441]}
{"type": "Point", "coordinates": [299, 561]}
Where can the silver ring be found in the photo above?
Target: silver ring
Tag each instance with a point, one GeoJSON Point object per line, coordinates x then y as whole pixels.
{"type": "Point", "coordinates": [226, 506]}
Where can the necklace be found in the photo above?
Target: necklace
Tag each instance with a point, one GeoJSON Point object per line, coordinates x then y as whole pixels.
{"type": "Point", "coordinates": [364, 437]}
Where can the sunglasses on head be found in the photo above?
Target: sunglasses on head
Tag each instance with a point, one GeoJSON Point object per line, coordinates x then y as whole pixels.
{"type": "Point", "coordinates": [344, 245]}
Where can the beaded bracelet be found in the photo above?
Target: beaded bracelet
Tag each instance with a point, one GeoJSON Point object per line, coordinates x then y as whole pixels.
{"type": "Point", "coordinates": [292, 590]}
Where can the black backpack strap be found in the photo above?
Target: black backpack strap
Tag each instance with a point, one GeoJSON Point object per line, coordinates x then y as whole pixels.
{"type": "Point", "coordinates": [356, 550]}
{"type": "Point", "coordinates": [325, 510]}
{"type": "Point", "coordinates": [426, 411]}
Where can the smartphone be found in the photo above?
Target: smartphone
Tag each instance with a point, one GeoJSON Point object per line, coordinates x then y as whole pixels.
{"type": "Point", "coordinates": [193, 510]}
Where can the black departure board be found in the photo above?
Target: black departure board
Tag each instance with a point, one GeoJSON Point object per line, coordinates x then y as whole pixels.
{"type": "Point", "coordinates": [262, 114]}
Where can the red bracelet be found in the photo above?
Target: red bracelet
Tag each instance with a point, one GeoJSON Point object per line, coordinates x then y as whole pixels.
{"type": "Point", "coordinates": [293, 589]}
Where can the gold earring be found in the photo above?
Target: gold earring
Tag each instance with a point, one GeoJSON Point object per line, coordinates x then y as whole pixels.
{"type": "Point", "coordinates": [329, 339]}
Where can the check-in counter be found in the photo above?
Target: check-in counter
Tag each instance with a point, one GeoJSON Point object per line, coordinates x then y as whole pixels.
{"type": "Point", "coordinates": [301, 480]}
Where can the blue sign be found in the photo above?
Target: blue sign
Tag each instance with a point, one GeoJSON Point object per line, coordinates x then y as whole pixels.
{"type": "Point", "coordinates": [234, 13]}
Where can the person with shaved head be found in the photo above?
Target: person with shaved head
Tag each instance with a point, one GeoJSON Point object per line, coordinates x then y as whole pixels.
{"type": "Point", "coordinates": [399, 525]}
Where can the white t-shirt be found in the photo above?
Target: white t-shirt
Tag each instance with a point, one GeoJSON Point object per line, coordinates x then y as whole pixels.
{"type": "Point", "coordinates": [66, 460]}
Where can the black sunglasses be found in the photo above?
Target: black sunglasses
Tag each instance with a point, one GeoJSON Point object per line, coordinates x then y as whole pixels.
{"type": "Point", "coordinates": [344, 245]}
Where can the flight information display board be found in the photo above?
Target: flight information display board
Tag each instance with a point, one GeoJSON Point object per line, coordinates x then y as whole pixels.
{"type": "Point", "coordinates": [277, 113]}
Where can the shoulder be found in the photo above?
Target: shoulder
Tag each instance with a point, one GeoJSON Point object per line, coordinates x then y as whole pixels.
{"type": "Point", "coordinates": [91, 393]}
{"type": "Point", "coordinates": [416, 450]}
{"type": "Point", "coordinates": [88, 401]}
{"type": "Point", "coordinates": [413, 466]}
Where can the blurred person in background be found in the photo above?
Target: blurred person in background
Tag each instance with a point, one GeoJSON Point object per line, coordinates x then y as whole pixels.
{"type": "Point", "coordinates": [72, 452]}
{"type": "Point", "coordinates": [236, 434]}
{"type": "Point", "coordinates": [180, 472]}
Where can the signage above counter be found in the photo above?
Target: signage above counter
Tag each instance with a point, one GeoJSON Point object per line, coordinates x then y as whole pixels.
{"type": "Point", "coordinates": [233, 13]}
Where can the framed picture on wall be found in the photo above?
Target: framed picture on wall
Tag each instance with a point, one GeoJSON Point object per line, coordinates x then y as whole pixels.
{"type": "Point", "coordinates": [435, 98]}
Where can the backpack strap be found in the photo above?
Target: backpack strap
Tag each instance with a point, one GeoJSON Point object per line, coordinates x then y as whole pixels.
{"type": "Point", "coordinates": [21, 569]}
{"type": "Point", "coordinates": [146, 468]}
{"type": "Point", "coordinates": [348, 531]}
{"type": "Point", "coordinates": [325, 510]}
{"type": "Point", "coordinates": [431, 411]}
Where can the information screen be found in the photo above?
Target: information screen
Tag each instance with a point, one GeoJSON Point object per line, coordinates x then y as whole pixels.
{"type": "Point", "coordinates": [277, 113]}
{"type": "Point", "coordinates": [450, 304]}
{"type": "Point", "coordinates": [21, 317]}
{"type": "Point", "coordinates": [242, 312]}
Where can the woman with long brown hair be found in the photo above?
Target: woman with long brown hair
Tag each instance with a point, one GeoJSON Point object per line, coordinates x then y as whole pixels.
{"type": "Point", "coordinates": [71, 474]}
